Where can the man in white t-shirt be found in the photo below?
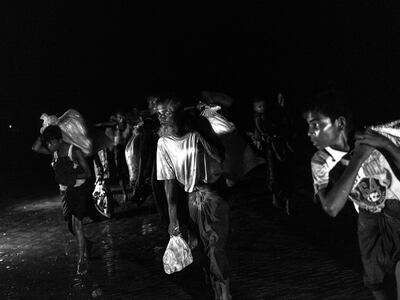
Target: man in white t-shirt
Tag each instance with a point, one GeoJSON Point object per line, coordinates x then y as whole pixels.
{"type": "Point", "coordinates": [192, 161]}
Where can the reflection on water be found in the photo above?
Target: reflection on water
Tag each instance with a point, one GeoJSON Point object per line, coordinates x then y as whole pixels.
{"type": "Point", "coordinates": [50, 203]}
{"type": "Point", "coordinates": [107, 245]}
{"type": "Point", "coordinates": [96, 291]}
{"type": "Point", "coordinates": [79, 282]}
{"type": "Point", "coordinates": [87, 286]}
{"type": "Point", "coordinates": [147, 226]}
{"type": "Point", "coordinates": [84, 286]}
{"type": "Point", "coordinates": [34, 238]}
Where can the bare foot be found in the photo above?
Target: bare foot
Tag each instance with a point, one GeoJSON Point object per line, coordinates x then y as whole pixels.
{"type": "Point", "coordinates": [82, 268]}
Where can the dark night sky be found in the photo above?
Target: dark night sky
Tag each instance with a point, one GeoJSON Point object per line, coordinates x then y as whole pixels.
{"type": "Point", "coordinates": [61, 54]}
{"type": "Point", "coordinates": [79, 53]}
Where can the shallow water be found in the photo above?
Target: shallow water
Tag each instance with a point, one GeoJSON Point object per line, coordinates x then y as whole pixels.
{"type": "Point", "coordinates": [38, 256]}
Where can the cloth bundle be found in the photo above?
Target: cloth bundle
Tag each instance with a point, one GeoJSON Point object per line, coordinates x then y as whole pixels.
{"type": "Point", "coordinates": [218, 122]}
{"type": "Point", "coordinates": [390, 130]}
{"type": "Point", "coordinates": [132, 156]}
{"type": "Point", "coordinates": [73, 129]}
{"type": "Point", "coordinates": [177, 255]}
{"type": "Point", "coordinates": [240, 157]}
{"type": "Point", "coordinates": [102, 198]}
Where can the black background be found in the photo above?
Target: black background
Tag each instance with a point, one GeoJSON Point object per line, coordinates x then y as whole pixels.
{"type": "Point", "coordinates": [55, 55]}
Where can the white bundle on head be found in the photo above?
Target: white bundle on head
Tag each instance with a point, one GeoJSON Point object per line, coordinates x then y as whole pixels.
{"type": "Point", "coordinates": [48, 120]}
{"type": "Point", "coordinates": [73, 128]}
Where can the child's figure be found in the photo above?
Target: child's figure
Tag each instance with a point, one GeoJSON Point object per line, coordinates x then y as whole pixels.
{"type": "Point", "coordinates": [264, 141]}
{"type": "Point", "coordinates": [364, 173]}
{"type": "Point", "coordinates": [260, 130]}
{"type": "Point", "coordinates": [71, 172]}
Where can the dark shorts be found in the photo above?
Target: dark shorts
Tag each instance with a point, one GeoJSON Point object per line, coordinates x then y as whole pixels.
{"type": "Point", "coordinates": [75, 202]}
{"type": "Point", "coordinates": [379, 240]}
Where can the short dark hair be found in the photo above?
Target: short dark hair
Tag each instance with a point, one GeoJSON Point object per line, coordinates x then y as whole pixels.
{"type": "Point", "coordinates": [51, 132]}
{"type": "Point", "coordinates": [333, 104]}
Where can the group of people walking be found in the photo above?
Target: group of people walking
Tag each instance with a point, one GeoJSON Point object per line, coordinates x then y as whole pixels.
{"type": "Point", "coordinates": [189, 155]}
{"type": "Point", "coordinates": [186, 154]}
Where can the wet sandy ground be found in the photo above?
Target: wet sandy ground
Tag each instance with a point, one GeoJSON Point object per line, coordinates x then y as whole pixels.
{"type": "Point", "coordinates": [269, 260]}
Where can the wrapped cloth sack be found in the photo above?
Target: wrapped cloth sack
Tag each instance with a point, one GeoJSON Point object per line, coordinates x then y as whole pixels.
{"type": "Point", "coordinates": [132, 156]}
{"type": "Point", "coordinates": [73, 127]}
{"type": "Point", "coordinates": [74, 130]}
{"type": "Point", "coordinates": [102, 197]}
{"type": "Point", "coordinates": [47, 120]}
{"type": "Point", "coordinates": [177, 255]}
{"type": "Point", "coordinates": [391, 130]}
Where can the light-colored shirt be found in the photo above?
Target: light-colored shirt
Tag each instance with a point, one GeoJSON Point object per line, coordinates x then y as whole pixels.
{"type": "Point", "coordinates": [184, 159]}
{"type": "Point", "coordinates": [374, 184]}
{"type": "Point", "coordinates": [321, 163]}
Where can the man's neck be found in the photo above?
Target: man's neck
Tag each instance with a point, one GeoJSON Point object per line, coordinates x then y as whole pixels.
{"type": "Point", "coordinates": [342, 143]}
{"type": "Point", "coordinates": [168, 130]}
{"type": "Point", "coordinates": [343, 148]}
{"type": "Point", "coordinates": [63, 149]}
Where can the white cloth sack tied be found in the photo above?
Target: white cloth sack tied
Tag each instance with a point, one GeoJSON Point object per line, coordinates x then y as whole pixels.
{"type": "Point", "coordinates": [177, 255]}
{"type": "Point", "coordinates": [73, 128]}
{"type": "Point", "coordinates": [102, 198]}
{"type": "Point", "coordinates": [391, 130]}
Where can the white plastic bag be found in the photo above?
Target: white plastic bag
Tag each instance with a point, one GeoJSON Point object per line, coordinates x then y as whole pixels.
{"type": "Point", "coordinates": [177, 255]}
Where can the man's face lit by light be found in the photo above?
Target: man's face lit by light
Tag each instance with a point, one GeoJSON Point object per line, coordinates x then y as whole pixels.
{"type": "Point", "coordinates": [321, 130]}
{"type": "Point", "coordinates": [259, 106]}
{"type": "Point", "coordinates": [53, 145]}
{"type": "Point", "coordinates": [165, 115]}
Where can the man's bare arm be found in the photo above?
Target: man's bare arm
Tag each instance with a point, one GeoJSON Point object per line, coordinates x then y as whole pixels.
{"type": "Point", "coordinates": [78, 155]}
{"type": "Point", "coordinates": [39, 147]}
{"type": "Point", "coordinates": [170, 187]}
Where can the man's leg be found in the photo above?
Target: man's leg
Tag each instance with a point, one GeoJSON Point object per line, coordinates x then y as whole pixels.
{"type": "Point", "coordinates": [217, 253]}
{"type": "Point", "coordinates": [119, 158]}
{"type": "Point", "coordinates": [380, 295]}
{"type": "Point", "coordinates": [211, 213]}
{"type": "Point", "coordinates": [372, 242]}
{"type": "Point", "coordinates": [80, 238]}
{"type": "Point", "coordinates": [397, 273]}
{"type": "Point", "coordinates": [159, 197]}
{"type": "Point", "coordinates": [271, 176]}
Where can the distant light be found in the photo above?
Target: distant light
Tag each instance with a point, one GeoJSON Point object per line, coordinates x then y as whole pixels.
{"type": "Point", "coordinates": [10, 126]}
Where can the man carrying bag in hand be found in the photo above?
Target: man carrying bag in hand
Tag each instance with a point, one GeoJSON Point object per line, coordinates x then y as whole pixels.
{"type": "Point", "coordinates": [190, 158]}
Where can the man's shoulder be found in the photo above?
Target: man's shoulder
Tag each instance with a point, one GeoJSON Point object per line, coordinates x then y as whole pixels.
{"type": "Point", "coordinates": [320, 157]}
{"type": "Point", "coordinates": [162, 141]}
{"type": "Point", "coordinates": [172, 138]}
